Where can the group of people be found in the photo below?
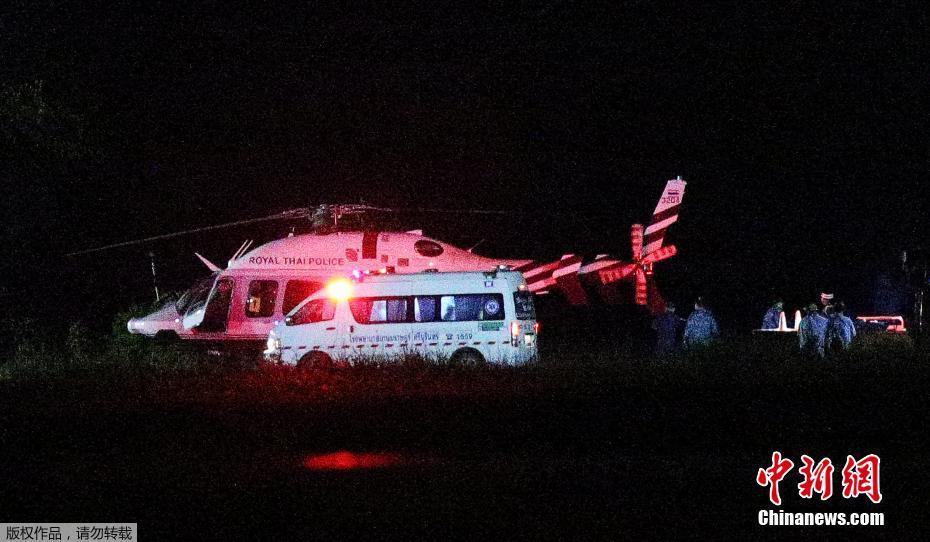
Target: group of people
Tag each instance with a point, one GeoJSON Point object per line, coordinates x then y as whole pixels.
{"type": "Point", "coordinates": [822, 332]}
{"type": "Point", "coordinates": [700, 328]}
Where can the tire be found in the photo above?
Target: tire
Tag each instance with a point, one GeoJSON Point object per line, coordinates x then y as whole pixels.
{"type": "Point", "coordinates": [315, 360]}
{"type": "Point", "coordinates": [467, 357]}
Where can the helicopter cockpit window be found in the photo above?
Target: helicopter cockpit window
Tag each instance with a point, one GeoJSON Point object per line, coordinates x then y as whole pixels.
{"type": "Point", "coordinates": [262, 295]}
{"type": "Point", "coordinates": [195, 296]}
{"type": "Point", "coordinates": [427, 248]}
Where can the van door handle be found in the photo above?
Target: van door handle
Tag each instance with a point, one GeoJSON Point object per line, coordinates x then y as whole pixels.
{"type": "Point", "coordinates": [331, 329]}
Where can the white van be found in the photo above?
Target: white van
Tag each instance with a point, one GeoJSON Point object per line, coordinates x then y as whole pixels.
{"type": "Point", "coordinates": [468, 317]}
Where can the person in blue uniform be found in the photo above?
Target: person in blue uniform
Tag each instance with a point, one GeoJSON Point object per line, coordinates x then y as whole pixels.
{"type": "Point", "coordinates": [812, 331]}
{"type": "Point", "coordinates": [770, 320]}
{"type": "Point", "coordinates": [840, 330]}
{"type": "Point", "coordinates": [667, 325]}
{"type": "Point", "coordinates": [701, 328]}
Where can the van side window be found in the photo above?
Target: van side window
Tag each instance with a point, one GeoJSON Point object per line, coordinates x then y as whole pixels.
{"type": "Point", "coordinates": [318, 310]}
{"type": "Point", "coordinates": [379, 310]}
{"type": "Point", "coordinates": [430, 308]}
{"type": "Point", "coordinates": [471, 307]}
{"type": "Point", "coordinates": [296, 291]}
{"type": "Point", "coordinates": [424, 309]}
{"type": "Point", "coordinates": [262, 295]}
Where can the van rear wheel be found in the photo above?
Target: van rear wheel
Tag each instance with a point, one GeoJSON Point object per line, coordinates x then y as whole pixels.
{"type": "Point", "coordinates": [315, 360]}
{"type": "Point", "coordinates": [467, 357]}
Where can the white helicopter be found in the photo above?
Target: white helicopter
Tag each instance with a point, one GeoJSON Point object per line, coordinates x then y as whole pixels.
{"type": "Point", "coordinates": [259, 286]}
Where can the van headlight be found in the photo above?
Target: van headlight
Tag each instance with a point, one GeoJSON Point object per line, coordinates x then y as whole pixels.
{"type": "Point", "coordinates": [272, 347]}
{"type": "Point", "coordinates": [273, 344]}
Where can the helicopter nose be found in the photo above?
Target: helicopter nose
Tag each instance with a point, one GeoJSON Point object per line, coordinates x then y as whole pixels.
{"type": "Point", "coordinates": [134, 325]}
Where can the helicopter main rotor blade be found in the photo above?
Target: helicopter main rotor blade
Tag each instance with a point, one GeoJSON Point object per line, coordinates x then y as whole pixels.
{"type": "Point", "coordinates": [286, 215]}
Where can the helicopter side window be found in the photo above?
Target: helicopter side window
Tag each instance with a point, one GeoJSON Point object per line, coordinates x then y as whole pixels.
{"type": "Point", "coordinates": [296, 291]}
{"type": "Point", "coordinates": [262, 295]}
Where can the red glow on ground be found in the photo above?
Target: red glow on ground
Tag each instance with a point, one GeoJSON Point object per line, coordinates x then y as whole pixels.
{"type": "Point", "coordinates": [346, 460]}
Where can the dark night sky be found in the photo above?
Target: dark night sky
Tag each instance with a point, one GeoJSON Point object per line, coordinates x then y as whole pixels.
{"type": "Point", "coordinates": [801, 131]}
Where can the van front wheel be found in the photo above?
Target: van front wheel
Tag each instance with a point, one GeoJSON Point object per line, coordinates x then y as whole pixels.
{"type": "Point", "coordinates": [467, 357]}
{"type": "Point", "coordinates": [315, 360]}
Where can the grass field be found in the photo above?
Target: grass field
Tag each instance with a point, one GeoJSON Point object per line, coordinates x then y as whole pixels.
{"type": "Point", "coordinates": [595, 444]}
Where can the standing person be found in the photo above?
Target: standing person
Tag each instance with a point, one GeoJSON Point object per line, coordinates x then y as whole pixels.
{"type": "Point", "coordinates": [812, 331]}
{"type": "Point", "coordinates": [667, 326]}
{"type": "Point", "coordinates": [840, 330]}
{"type": "Point", "coordinates": [826, 301]}
{"type": "Point", "coordinates": [701, 328]}
{"type": "Point", "coordinates": [773, 315]}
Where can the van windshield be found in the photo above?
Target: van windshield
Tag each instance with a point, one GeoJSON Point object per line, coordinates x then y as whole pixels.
{"type": "Point", "coordinates": [317, 310]}
{"type": "Point", "coordinates": [523, 302]}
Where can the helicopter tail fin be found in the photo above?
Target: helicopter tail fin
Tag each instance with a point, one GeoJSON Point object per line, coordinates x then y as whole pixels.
{"type": "Point", "coordinates": [665, 215]}
{"type": "Point", "coordinates": [210, 265]}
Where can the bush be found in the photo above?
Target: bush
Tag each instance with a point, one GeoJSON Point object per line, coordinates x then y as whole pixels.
{"type": "Point", "coordinates": [127, 351]}
{"type": "Point", "coordinates": [81, 345]}
{"type": "Point", "coordinates": [883, 345]}
{"type": "Point", "coordinates": [31, 350]}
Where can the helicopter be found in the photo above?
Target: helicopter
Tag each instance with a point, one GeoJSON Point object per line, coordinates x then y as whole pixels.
{"type": "Point", "coordinates": [259, 286]}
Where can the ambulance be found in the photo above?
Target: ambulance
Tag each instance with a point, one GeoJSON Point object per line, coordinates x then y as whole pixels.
{"type": "Point", "coordinates": [470, 318]}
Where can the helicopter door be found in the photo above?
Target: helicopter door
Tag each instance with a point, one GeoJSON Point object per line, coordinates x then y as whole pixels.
{"type": "Point", "coordinates": [254, 308]}
{"type": "Point", "coordinates": [216, 313]}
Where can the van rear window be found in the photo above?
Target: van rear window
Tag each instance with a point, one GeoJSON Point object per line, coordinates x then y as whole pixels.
{"type": "Point", "coordinates": [523, 301]}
